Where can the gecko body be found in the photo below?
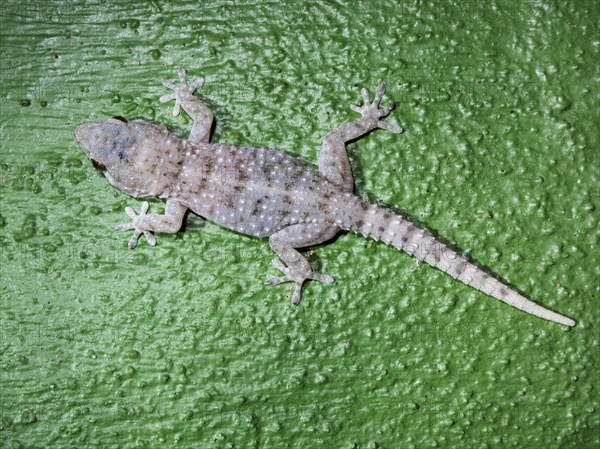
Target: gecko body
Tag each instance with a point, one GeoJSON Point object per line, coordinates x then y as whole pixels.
{"type": "Point", "coordinates": [266, 193]}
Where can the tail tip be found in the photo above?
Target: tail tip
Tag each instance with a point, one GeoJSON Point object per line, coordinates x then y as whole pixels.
{"type": "Point", "coordinates": [560, 319]}
{"type": "Point", "coordinates": [569, 322]}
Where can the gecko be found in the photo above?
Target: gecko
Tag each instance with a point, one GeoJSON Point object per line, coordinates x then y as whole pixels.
{"type": "Point", "coordinates": [266, 193]}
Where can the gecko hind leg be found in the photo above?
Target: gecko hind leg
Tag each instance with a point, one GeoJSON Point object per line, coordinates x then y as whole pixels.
{"type": "Point", "coordinates": [298, 270]}
{"type": "Point", "coordinates": [334, 164]}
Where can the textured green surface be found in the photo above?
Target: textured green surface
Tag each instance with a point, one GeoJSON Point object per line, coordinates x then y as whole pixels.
{"type": "Point", "coordinates": [182, 345]}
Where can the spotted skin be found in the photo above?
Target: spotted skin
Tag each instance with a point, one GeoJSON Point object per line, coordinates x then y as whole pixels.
{"type": "Point", "coordinates": [265, 193]}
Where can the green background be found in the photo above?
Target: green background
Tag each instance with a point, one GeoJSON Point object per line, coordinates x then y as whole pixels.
{"type": "Point", "coordinates": [182, 345]}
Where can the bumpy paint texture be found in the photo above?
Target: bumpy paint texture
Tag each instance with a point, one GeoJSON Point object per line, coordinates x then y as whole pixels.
{"type": "Point", "coordinates": [179, 345]}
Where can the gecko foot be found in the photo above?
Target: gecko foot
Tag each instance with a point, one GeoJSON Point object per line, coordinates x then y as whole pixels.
{"type": "Point", "coordinates": [183, 89]}
{"type": "Point", "coordinates": [372, 110]}
{"type": "Point", "coordinates": [137, 225]}
{"type": "Point", "coordinates": [293, 276]}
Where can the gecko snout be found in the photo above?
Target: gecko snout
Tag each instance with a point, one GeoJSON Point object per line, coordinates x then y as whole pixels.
{"type": "Point", "coordinates": [88, 137]}
{"type": "Point", "coordinates": [79, 133]}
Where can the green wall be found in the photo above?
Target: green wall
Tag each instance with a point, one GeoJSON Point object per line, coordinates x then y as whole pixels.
{"type": "Point", "coordinates": [182, 345]}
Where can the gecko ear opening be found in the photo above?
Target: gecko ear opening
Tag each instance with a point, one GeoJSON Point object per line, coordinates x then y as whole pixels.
{"type": "Point", "coordinates": [120, 118]}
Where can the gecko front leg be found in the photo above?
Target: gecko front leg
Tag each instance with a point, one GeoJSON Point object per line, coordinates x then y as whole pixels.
{"type": "Point", "coordinates": [198, 111]}
{"type": "Point", "coordinates": [145, 224]}
{"type": "Point", "coordinates": [333, 160]}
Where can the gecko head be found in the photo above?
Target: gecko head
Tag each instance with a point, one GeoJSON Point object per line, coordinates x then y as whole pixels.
{"type": "Point", "coordinates": [105, 143]}
{"type": "Point", "coordinates": [111, 146]}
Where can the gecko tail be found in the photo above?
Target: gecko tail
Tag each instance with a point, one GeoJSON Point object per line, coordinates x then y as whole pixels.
{"type": "Point", "coordinates": [392, 229]}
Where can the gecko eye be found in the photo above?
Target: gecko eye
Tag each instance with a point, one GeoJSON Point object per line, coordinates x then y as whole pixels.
{"type": "Point", "coordinates": [98, 166]}
{"type": "Point", "coordinates": [118, 117]}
